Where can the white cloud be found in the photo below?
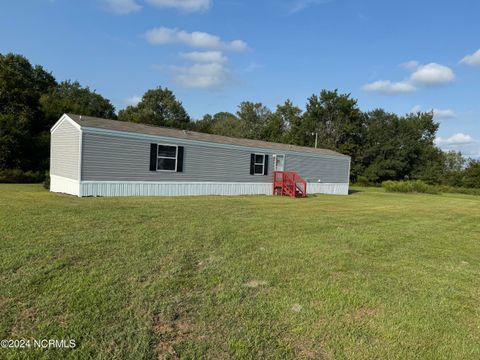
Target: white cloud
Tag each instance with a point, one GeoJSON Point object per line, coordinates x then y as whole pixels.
{"type": "Point", "coordinates": [197, 39]}
{"type": "Point", "coordinates": [473, 59]}
{"type": "Point", "coordinates": [416, 109]}
{"type": "Point", "coordinates": [428, 75]}
{"type": "Point", "coordinates": [464, 143]}
{"type": "Point", "coordinates": [432, 74]}
{"type": "Point", "coordinates": [205, 56]}
{"type": "Point", "coordinates": [456, 139]}
{"type": "Point", "coordinates": [210, 70]}
{"type": "Point", "coordinates": [444, 113]}
{"type": "Point", "coordinates": [437, 113]}
{"type": "Point", "coordinates": [300, 5]}
{"type": "Point", "coordinates": [185, 5]}
{"type": "Point", "coordinates": [202, 76]}
{"type": "Point", "coordinates": [410, 65]}
{"type": "Point", "coordinates": [389, 87]}
{"type": "Point", "coordinates": [122, 7]}
{"type": "Point", "coordinates": [132, 101]}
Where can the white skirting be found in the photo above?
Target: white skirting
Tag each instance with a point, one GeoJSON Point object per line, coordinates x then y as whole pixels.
{"type": "Point", "coordinates": [327, 188]}
{"type": "Point", "coordinates": [133, 188]}
{"type": "Point", "coordinates": [64, 185]}
{"type": "Point", "coordinates": [103, 188]}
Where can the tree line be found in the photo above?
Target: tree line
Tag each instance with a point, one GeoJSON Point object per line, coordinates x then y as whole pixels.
{"type": "Point", "coordinates": [382, 145]}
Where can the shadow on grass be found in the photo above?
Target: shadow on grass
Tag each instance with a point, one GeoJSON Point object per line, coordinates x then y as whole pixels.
{"type": "Point", "coordinates": [354, 191]}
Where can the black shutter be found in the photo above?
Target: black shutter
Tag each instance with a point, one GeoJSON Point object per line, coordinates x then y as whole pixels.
{"type": "Point", "coordinates": [252, 164]}
{"type": "Point", "coordinates": [180, 159]}
{"type": "Point", "coordinates": [265, 168]}
{"type": "Point", "coordinates": [153, 157]}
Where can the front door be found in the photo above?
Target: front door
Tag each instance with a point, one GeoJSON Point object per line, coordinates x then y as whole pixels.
{"type": "Point", "coordinates": [279, 162]}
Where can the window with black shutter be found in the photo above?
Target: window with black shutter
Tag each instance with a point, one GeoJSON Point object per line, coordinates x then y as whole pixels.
{"type": "Point", "coordinates": [165, 157]}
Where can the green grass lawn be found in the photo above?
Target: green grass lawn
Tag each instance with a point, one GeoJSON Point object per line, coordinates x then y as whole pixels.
{"type": "Point", "coordinates": [369, 276]}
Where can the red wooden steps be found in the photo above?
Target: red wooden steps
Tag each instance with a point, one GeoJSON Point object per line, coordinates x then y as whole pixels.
{"type": "Point", "coordinates": [289, 183]}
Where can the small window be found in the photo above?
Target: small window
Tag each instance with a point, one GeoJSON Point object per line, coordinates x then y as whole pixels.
{"type": "Point", "coordinates": [167, 151]}
{"type": "Point", "coordinates": [167, 158]}
{"type": "Point", "coordinates": [259, 165]}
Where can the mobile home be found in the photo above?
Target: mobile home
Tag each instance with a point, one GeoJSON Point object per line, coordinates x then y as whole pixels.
{"type": "Point", "coordinates": [98, 157]}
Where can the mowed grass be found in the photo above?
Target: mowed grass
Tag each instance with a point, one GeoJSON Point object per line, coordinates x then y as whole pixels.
{"type": "Point", "coordinates": [369, 276]}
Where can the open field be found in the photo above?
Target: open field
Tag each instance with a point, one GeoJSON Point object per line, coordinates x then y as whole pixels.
{"type": "Point", "coordinates": [370, 276]}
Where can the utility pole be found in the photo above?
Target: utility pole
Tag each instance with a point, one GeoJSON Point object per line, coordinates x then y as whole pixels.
{"type": "Point", "coordinates": [316, 138]}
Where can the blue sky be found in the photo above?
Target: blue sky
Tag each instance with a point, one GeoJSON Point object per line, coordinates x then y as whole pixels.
{"type": "Point", "coordinates": [399, 55]}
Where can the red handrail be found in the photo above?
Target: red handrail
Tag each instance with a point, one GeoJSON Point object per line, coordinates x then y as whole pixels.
{"type": "Point", "coordinates": [289, 183]}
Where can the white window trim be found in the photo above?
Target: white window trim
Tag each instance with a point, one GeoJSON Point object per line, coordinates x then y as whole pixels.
{"type": "Point", "coordinates": [262, 163]}
{"type": "Point", "coordinates": [168, 157]}
{"type": "Point", "coordinates": [275, 156]}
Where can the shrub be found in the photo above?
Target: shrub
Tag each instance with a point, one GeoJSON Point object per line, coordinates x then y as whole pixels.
{"type": "Point", "coordinates": [458, 190]}
{"type": "Point", "coordinates": [412, 186]}
{"type": "Point", "coordinates": [46, 182]}
{"type": "Point", "coordinates": [418, 186]}
{"type": "Point", "coordinates": [363, 181]}
{"type": "Point", "coordinates": [20, 176]}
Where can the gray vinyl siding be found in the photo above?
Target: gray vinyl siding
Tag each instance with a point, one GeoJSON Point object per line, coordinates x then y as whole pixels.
{"type": "Point", "coordinates": [111, 158]}
{"type": "Point", "coordinates": [64, 151]}
{"type": "Point", "coordinates": [318, 169]}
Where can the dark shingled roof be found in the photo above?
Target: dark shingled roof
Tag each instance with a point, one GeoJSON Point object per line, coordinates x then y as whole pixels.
{"type": "Point", "coordinates": [98, 123]}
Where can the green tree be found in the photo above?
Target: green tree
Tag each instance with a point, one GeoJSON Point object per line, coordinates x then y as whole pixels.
{"type": "Point", "coordinates": [71, 97]}
{"type": "Point", "coordinates": [426, 160]}
{"type": "Point", "coordinates": [397, 147]}
{"type": "Point", "coordinates": [286, 116]}
{"type": "Point", "coordinates": [381, 153]}
{"type": "Point", "coordinates": [204, 125]}
{"type": "Point", "coordinates": [274, 128]}
{"type": "Point", "coordinates": [454, 165]}
{"type": "Point", "coordinates": [454, 161]}
{"type": "Point", "coordinates": [253, 117]}
{"type": "Point", "coordinates": [157, 107]}
{"type": "Point", "coordinates": [338, 122]}
{"type": "Point", "coordinates": [471, 175]}
{"type": "Point", "coordinates": [21, 120]}
{"type": "Point", "coordinates": [430, 166]}
{"type": "Point", "coordinates": [222, 123]}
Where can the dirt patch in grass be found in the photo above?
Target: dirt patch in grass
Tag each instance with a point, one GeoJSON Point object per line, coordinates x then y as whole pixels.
{"type": "Point", "coordinates": [170, 333]}
{"type": "Point", "coordinates": [25, 319]}
{"type": "Point", "coordinates": [311, 350]}
{"type": "Point", "coordinates": [255, 283]}
{"type": "Point", "coordinates": [296, 308]}
{"type": "Point", "coordinates": [4, 301]}
{"type": "Point", "coordinates": [61, 319]}
{"type": "Point", "coordinates": [337, 275]}
{"type": "Point", "coordinates": [204, 264]}
{"type": "Point", "coordinates": [306, 348]}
